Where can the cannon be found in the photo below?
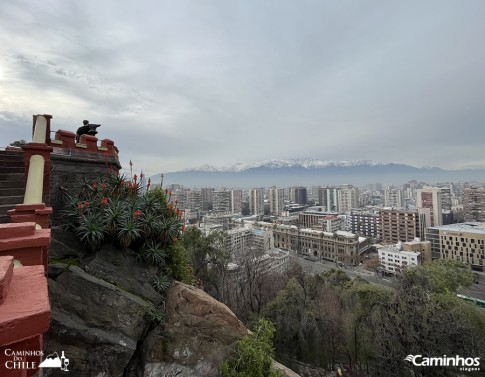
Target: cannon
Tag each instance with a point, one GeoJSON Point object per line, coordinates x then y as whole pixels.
{"type": "Point", "coordinates": [86, 128]}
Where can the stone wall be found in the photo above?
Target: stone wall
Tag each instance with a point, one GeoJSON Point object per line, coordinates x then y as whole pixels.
{"type": "Point", "coordinates": [71, 163]}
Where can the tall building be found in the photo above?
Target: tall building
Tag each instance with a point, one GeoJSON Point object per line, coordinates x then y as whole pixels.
{"type": "Point", "coordinates": [207, 193]}
{"type": "Point", "coordinates": [366, 224]}
{"type": "Point", "coordinates": [349, 198]}
{"type": "Point", "coordinates": [236, 201]}
{"type": "Point", "coordinates": [328, 197]}
{"type": "Point", "coordinates": [463, 242]}
{"type": "Point", "coordinates": [430, 197]}
{"type": "Point", "coordinates": [221, 201]}
{"type": "Point", "coordinates": [276, 200]}
{"type": "Point", "coordinates": [256, 201]}
{"type": "Point", "coordinates": [403, 226]}
{"type": "Point", "coordinates": [299, 195]}
{"type": "Point", "coordinates": [393, 197]}
{"type": "Point", "coordinates": [474, 204]}
{"type": "Point", "coordinates": [193, 200]}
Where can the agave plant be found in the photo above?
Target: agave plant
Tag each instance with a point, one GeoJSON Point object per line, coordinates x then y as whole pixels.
{"type": "Point", "coordinates": [162, 283]}
{"type": "Point", "coordinates": [169, 229]}
{"type": "Point", "coordinates": [91, 230]}
{"type": "Point", "coordinates": [129, 230]}
{"type": "Point", "coordinates": [153, 253]}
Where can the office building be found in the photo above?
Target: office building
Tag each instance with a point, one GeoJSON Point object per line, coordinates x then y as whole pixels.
{"type": "Point", "coordinates": [463, 242]}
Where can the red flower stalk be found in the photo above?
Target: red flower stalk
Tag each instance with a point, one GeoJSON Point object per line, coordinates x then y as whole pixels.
{"type": "Point", "coordinates": [135, 177]}
{"type": "Point", "coordinates": [86, 203]}
{"type": "Point", "coordinates": [95, 185]}
{"type": "Point", "coordinates": [104, 185]}
{"type": "Point", "coordinates": [174, 239]}
{"type": "Point", "coordinates": [80, 206]}
{"type": "Point", "coordinates": [137, 213]}
{"type": "Point", "coordinates": [104, 201]}
{"type": "Point", "coordinates": [183, 228]}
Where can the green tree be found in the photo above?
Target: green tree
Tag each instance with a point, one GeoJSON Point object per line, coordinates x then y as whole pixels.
{"type": "Point", "coordinates": [254, 354]}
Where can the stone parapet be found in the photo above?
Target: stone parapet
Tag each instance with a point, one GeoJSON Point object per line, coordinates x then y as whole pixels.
{"type": "Point", "coordinates": [24, 318]}
{"type": "Point", "coordinates": [25, 243]}
{"type": "Point", "coordinates": [38, 213]}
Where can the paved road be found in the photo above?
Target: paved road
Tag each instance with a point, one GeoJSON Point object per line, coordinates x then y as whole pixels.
{"type": "Point", "coordinates": [317, 267]}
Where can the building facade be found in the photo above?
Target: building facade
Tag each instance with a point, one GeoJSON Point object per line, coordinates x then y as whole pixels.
{"type": "Point", "coordinates": [394, 260]}
{"type": "Point", "coordinates": [463, 242]}
{"type": "Point", "coordinates": [398, 225]}
{"type": "Point", "coordinates": [276, 201]}
{"type": "Point", "coordinates": [430, 197]}
{"type": "Point", "coordinates": [256, 201]}
{"type": "Point", "coordinates": [474, 204]}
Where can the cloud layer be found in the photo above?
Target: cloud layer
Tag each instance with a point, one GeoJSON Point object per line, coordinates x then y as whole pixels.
{"type": "Point", "coordinates": [180, 84]}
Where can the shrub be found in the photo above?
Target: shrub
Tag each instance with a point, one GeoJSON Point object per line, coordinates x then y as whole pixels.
{"type": "Point", "coordinates": [112, 209]}
{"type": "Point", "coordinates": [254, 354]}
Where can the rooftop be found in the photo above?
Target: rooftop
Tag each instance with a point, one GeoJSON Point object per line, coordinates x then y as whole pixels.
{"type": "Point", "coordinates": [471, 227]}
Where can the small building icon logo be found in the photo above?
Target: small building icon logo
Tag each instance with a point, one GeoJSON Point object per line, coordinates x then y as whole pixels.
{"type": "Point", "coordinates": [54, 361]}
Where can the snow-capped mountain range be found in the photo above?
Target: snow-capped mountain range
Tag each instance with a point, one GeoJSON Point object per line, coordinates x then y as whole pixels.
{"type": "Point", "coordinates": [308, 171]}
{"type": "Point", "coordinates": [307, 163]}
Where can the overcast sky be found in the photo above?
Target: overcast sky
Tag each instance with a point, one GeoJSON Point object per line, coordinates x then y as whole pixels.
{"type": "Point", "coordinates": [178, 84]}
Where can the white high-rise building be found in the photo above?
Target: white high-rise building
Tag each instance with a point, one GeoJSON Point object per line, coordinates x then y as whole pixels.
{"type": "Point", "coordinates": [349, 198]}
{"type": "Point", "coordinates": [256, 201]}
{"type": "Point", "coordinates": [393, 197]}
{"type": "Point", "coordinates": [328, 197]}
{"type": "Point", "coordinates": [276, 200]}
{"type": "Point", "coordinates": [236, 201]}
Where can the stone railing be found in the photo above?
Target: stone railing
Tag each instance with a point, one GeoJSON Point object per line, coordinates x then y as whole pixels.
{"type": "Point", "coordinates": [24, 301]}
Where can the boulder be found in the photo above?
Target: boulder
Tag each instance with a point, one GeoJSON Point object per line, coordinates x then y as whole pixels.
{"type": "Point", "coordinates": [199, 334]}
{"type": "Point", "coordinates": [97, 324]}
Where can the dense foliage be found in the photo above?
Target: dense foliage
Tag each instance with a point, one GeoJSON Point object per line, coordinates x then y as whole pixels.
{"type": "Point", "coordinates": [329, 319]}
{"type": "Point", "coordinates": [253, 357]}
{"type": "Point", "coordinates": [113, 210]}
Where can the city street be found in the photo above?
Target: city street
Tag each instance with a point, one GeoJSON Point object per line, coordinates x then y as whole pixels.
{"type": "Point", "coordinates": [316, 267]}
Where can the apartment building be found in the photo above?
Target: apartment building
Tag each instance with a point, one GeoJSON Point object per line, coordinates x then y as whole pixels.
{"type": "Point", "coordinates": [366, 224]}
{"type": "Point", "coordinates": [393, 197]}
{"type": "Point", "coordinates": [256, 201]}
{"type": "Point", "coordinates": [474, 203]}
{"type": "Point", "coordinates": [348, 198]}
{"type": "Point", "coordinates": [398, 225]}
{"type": "Point", "coordinates": [328, 197]}
{"type": "Point", "coordinates": [276, 201]}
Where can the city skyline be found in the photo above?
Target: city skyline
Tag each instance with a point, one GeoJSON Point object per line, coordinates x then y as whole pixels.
{"type": "Point", "coordinates": [177, 85]}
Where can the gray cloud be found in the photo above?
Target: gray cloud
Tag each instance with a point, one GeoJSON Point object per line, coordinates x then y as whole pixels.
{"type": "Point", "coordinates": [179, 84]}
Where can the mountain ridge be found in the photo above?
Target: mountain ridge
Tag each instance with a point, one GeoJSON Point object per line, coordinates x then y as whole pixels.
{"type": "Point", "coordinates": [308, 171]}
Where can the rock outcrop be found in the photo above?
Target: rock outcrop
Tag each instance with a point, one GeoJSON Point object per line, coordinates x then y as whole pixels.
{"type": "Point", "coordinates": [105, 312]}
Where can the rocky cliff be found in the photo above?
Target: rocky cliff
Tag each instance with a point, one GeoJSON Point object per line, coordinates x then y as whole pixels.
{"type": "Point", "coordinates": [106, 316]}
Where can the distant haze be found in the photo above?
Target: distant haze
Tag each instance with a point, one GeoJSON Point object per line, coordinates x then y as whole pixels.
{"type": "Point", "coordinates": [308, 172]}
